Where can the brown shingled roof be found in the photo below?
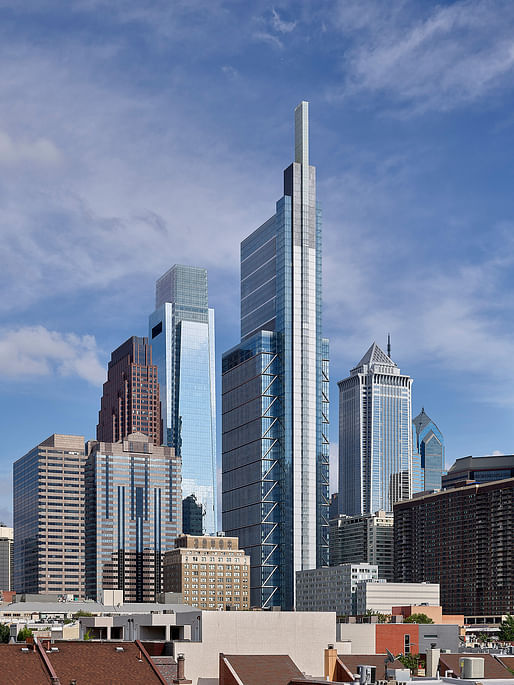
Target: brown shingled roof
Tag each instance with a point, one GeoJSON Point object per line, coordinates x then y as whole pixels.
{"type": "Point", "coordinates": [492, 667]}
{"type": "Point", "coordinates": [17, 666]}
{"type": "Point", "coordinates": [262, 669]}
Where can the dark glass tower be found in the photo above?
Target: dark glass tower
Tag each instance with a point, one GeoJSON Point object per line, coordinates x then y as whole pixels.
{"type": "Point", "coordinates": [428, 457]}
{"type": "Point", "coordinates": [275, 394]}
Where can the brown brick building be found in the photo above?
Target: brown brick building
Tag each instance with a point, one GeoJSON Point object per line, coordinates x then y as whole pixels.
{"type": "Point", "coordinates": [130, 401]}
{"type": "Point", "coordinates": [463, 540]}
{"type": "Point", "coordinates": [210, 571]}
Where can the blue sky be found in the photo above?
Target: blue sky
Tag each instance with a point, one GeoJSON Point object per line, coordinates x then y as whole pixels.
{"type": "Point", "coordinates": [136, 135]}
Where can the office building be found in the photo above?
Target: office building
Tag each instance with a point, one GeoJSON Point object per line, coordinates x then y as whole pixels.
{"type": "Point", "coordinates": [133, 515]}
{"type": "Point", "coordinates": [460, 538]}
{"type": "Point", "coordinates": [130, 400]}
{"type": "Point", "coordinates": [469, 470]}
{"type": "Point", "coordinates": [182, 337]}
{"type": "Point", "coordinates": [428, 455]}
{"type": "Point", "coordinates": [192, 515]}
{"type": "Point", "coordinates": [332, 588]}
{"type": "Point", "coordinates": [375, 436]}
{"type": "Point", "coordinates": [275, 394]}
{"type": "Point", "coordinates": [363, 539]}
{"type": "Point", "coordinates": [6, 557]}
{"type": "Point", "coordinates": [382, 597]}
{"type": "Point", "coordinates": [210, 571]}
{"type": "Point", "coordinates": [48, 503]}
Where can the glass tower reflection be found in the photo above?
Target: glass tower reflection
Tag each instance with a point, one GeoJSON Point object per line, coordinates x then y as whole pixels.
{"type": "Point", "coordinates": [182, 337]}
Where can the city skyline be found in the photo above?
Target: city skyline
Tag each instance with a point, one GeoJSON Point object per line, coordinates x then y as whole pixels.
{"type": "Point", "coordinates": [109, 180]}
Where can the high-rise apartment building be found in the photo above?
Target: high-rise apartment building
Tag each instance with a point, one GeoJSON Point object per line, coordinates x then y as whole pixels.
{"type": "Point", "coordinates": [460, 538]}
{"type": "Point", "coordinates": [428, 456]}
{"type": "Point", "coordinates": [6, 557]}
{"type": "Point", "coordinates": [48, 503]}
{"type": "Point", "coordinates": [182, 337]}
{"type": "Point", "coordinates": [363, 539]}
{"type": "Point", "coordinates": [375, 436]}
{"type": "Point", "coordinates": [332, 588]}
{"type": "Point", "coordinates": [130, 401]}
{"type": "Point", "coordinates": [275, 393]}
{"type": "Point", "coordinates": [210, 571]}
{"type": "Point", "coordinates": [133, 515]}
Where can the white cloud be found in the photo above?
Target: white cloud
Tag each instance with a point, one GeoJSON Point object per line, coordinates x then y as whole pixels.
{"type": "Point", "coordinates": [40, 151]}
{"type": "Point", "coordinates": [428, 57]}
{"type": "Point", "coordinates": [36, 351]}
{"type": "Point", "coordinates": [280, 25]}
{"type": "Point", "coordinates": [271, 39]}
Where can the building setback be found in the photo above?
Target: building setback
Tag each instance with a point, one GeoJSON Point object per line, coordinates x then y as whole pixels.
{"type": "Point", "coordinates": [6, 557]}
{"type": "Point", "coordinates": [275, 394]}
{"type": "Point", "coordinates": [469, 470]}
{"type": "Point", "coordinates": [181, 330]}
{"type": "Point", "coordinates": [462, 539]}
{"type": "Point", "coordinates": [48, 503]}
{"type": "Point", "coordinates": [130, 400]}
{"type": "Point", "coordinates": [133, 515]}
{"type": "Point", "coordinates": [363, 539]}
{"type": "Point", "coordinates": [210, 571]}
{"type": "Point", "coordinates": [375, 436]}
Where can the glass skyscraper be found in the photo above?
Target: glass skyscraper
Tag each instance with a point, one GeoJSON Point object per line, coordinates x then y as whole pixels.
{"type": "Point", "coordinates": [275, 394]}
{"type": "Point", "coordinates": [375, 436]}
{"type": "Point", "coordinates": [428, 457]}
{"type": "Point", "coordinates": [182, 338]}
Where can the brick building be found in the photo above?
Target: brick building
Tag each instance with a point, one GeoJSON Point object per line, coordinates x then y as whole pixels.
{"type": "Point", "coordinates": [462, 539]}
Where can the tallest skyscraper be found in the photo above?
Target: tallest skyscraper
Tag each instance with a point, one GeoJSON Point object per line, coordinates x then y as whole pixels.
{"type": "Point", "coordinates": [275, 393]}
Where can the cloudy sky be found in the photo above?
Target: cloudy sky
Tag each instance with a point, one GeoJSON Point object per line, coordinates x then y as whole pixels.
{"type": "Point", "coordinates": [135, 135]}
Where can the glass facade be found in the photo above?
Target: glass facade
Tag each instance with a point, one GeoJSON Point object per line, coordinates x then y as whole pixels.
{"type": "Point", "coordinates": [375, 439]}
{"type": "Point", "coordinates": [133, 516]}
{"type": "Point", "coordinates": [428, 456]}
{"type": "Point", "coordinates": [182, 337]}
{"type": "Point", "coordinates": [275, 394]}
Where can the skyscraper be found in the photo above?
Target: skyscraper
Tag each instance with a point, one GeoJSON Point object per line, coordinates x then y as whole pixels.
{"type": "Point", "coordinates": [275, 393]}
{"type": "Point", "coordinates": [182, 337]}
{"type": "Point", "coordinates": [428, 457]}
{"type": "Point", "coordinates": [375, 436]}
{"type": "Point", "coordinates": [48, 503]}
{"type": "Point", "coordinates": [6, 557]}
{"type": "Point", "coordinates": [133, 515]}
{"type": "Point", "coordinates": [130, 399]}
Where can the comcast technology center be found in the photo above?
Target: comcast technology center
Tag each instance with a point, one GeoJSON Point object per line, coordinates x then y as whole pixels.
{"type": "Point", "coordinates": [275, 394]}
{"type": "Point", "coordinates": [182, 338]}
{"type": "Point", "coordinates": [375, 437]}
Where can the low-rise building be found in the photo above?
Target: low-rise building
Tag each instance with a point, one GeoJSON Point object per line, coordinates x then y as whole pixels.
{"type": "Point", "coordinates": [398, 638]}
{"type": "Point", "coordinates": [332, 588]}
{"type": "Point", "coordinates": [381, 597]}
{"type": "Point", "coordinates": [210, 571]}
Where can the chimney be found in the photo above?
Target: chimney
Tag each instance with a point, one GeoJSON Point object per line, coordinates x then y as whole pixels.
{"type": "Point", "coordinates": [433, 655]}
{"type": "Point", "coordinates": [330, 662]}
{"type": "Point", "coordinates": [181, 678]}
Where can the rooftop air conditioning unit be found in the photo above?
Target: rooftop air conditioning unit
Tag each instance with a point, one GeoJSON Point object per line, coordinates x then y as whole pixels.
{"type": "Point", "coordinates": [367, 674]}
{"type": "Point", "coordinates": [471, 667]}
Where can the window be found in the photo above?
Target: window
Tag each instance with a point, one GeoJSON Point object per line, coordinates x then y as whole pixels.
{"type": "Point", "coordinates": [406, 644]}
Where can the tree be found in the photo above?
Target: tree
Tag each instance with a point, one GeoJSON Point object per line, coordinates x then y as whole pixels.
{"type": "Point", "coordinates": [410, 661]}
{"type": "Point", "coordinates": [418, 618]}
{"type": "Point", "coordinates": [5, 632]}
{"type": "Point", "coordinates": [80, 613]}
{"type": "Point", "coordinates": [381, 618]}
{"type": "Point", "coordinates": [24, 633]}
{"type": "Point", "coordinates": [506, 633]}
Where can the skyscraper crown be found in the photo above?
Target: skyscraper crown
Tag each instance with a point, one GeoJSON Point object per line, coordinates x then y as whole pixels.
{"type": "Point", "coordinates": [377, 361]}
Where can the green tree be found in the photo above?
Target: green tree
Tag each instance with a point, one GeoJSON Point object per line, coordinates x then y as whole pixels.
{"type": "Point", "coordinates": [5, 632]}
{"type": "Point", "coordinates": [80, 613]}
{"type": "Point", "coordinates": [410, 661]}
{"type": "Point", "coordinates": [506, 633]}
{"type": "Point", "coordinates": [87, 635]}
{"type": "Point", "coordinates": [418, 618]}
{"type": "Point", "coordinates": [382, 618]}
{"type": "Point", "coordinates": [24, 633]}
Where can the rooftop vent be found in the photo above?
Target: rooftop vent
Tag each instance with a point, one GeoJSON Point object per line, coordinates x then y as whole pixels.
{"type": "Point", "coordinates": [54, 649]}
{"type": "Point", "coordinates": [25, 649]}
{"type": "Point", "coordinates": [119, 649]}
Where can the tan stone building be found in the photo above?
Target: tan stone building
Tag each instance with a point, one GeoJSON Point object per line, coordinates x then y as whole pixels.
{"type": "Point", "coordinates": [210, 571]}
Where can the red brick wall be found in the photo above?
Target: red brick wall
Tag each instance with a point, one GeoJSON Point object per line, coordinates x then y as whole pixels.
{"type": "Point", "coordinates": [391, 636]}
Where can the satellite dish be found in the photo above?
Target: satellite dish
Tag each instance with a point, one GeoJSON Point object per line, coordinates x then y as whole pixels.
{"type": "Point", "coordinates": [390, 657]}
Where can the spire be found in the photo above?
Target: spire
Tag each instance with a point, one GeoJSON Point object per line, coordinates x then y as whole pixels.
{"type": "Point", "coordinates": [389, 345]}
{"type": "Point", "coordinates": [301, 133]}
